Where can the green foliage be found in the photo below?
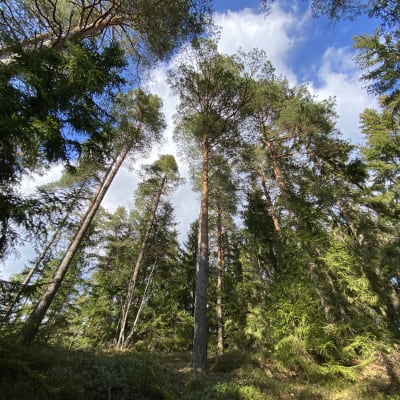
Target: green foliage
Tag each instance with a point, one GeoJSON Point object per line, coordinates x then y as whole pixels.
{"type": "Point", "coordinates": [51, 105]}
{"type": "Point", "coordinates": [56, 373]}
{"type": "Point", "coordinates": [43, 373]}
{"type": "Point", "coordinates": [47, 92]}
{"type": "Point", "coordinates": [377, 56]}
{"type": "Point", "coordinates": [229, 361]}
{"type": "Point", "coordinates": [148, 30]}
{"type": "Point", "coordinates": [221, 80]}
{"type": "Point", "coordinates": [311, 280]}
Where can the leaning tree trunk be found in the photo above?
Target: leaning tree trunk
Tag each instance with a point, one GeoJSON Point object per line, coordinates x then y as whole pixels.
{"type": "Point", "coordinates": [32, 324]}
{"type": "Point", "coordinates": [40, 259]}
{"type": "Point", "coordinates": [31, 272]}
{"type": "Point", "coordinates": [200, 306]}
{"type": "Point", "coordinates": [57, 37]}
{"type": "Point", "coordinates": [142, 304]}
{"type": "Point", "coordinates": [122, 340]}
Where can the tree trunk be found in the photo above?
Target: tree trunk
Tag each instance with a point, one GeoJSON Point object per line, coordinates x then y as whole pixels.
{"type": "Point", "coordinates": [270, 204]}
{"type": "Point", "coordinates": [122, 341]}
{"type": "Point", "coordinates": [277, 170]}
{"type": "Point", "coordinates": [32, 324]}
{"type": "Point", "coordinates": [71, 33]}
{"type": "Point", "coordinates": [142, 304]}
{"type": "Point", "coordinates": [39, 260]}
{"type": "Point", "coordinates": [200, 306]}
{"type": "Point", "coordinates": [279, 176]}
{"type": "Point", "coordinates": [220, 271]}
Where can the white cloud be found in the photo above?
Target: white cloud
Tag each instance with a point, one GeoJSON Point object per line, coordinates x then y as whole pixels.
{"type": "Point", "coordinates": [277, 34]}
{"type": "Point", "coordinates": [30, 182]}
{"type": "Point", "coordinates": [16, 263]}
{"type": "Point", "coordinates": [121, 190]}
{"type": "Point", "coordinates": [339, 76]}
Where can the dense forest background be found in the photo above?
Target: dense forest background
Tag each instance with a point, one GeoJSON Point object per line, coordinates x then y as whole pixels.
{"type": "Point", "coordinates": [291, 270]}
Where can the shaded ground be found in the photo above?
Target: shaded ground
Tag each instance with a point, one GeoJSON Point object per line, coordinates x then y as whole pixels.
{"type": "Point", "coordinates": [44, 372]}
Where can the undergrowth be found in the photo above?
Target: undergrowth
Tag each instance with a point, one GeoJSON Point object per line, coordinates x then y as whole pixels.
{"type": "Point", "coordinates": [44, 372]}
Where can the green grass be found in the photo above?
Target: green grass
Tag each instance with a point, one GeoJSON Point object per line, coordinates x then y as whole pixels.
{"type": "Point", "coordinates": [44, 372]}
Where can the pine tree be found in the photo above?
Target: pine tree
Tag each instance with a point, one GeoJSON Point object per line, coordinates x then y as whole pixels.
{"type": "Point", "coordinates": [138, 126]}
{"type": "Point", "coordinates": [223, 199]}
{"type": "Point", "coordinates": [213, 90]}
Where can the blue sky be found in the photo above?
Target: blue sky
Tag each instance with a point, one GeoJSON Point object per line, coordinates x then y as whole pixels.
{"type": "Point", "coordinates": [315, 35]}
{"type": "Point", "coordinates": [303, 48]}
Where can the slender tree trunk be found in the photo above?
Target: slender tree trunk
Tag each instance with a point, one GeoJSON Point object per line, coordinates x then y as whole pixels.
{"type": "Point", "coordinates": [220, 271]}
{"type": "Point", "coordinates": [141, 306]}
{"type": "Point", "coordinates": [32, 324]}
{"type": "Point", "coordinates": [279, 176]}
{"type": "Point", "coordinates": [39, 260]}
{"type": "Point", "coordinates": [269, 203]}
{"type": "Point", "coordinates": [122, 341]}
{"type": "Point", "coordinates": [200, 306]}
{"type": "Point", "coordinates": [277, 170]}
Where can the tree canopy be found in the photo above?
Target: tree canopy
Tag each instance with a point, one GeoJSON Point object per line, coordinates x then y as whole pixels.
{"type": "Point", "coordinates": [293, 260]}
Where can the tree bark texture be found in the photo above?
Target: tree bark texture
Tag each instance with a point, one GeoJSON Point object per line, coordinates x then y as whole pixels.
{"type": "Point", "coordinates": [40, 259]}
{"type": "Point", "coordinates": [32, 324]}
{"type": "Point", "coordinates": [277, 170]}
{"type": "Point", "coordinates": [200, 307]}
{"type": "Point", "coordinates": [269, 203]}
{"type": "Point", "coordinates": [220, 271]}
{"type": "Point", "coordinates": [58, 34]}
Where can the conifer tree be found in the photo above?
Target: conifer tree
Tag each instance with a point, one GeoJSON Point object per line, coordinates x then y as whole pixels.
{"type": "Point", "coordinates": [223, 198]}
{"type": "Point", "coordinates": [214, 91]}
{"type": "Point", "coordinates": [162, 177]}
{"type": "Point", "coordinates": [137, 126]}
{"type": "Point", "coordinates": [60, 65]}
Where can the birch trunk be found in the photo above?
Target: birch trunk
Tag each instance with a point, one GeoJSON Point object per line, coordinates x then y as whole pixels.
{"type": "Point", "coordinates": [200, 306]}
{"type": "Point", "coordinates": [142, 304]}
{"type": "Point", "coordinates": [32, 324]}
{"type": "Point", "coordinates": [122, 340]}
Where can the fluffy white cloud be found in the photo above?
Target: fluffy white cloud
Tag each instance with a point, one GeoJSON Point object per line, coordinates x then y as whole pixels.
{"type": "Point", "coordinates": [339, 76]}
{"type": "Point", "coordinates": [279, 34]}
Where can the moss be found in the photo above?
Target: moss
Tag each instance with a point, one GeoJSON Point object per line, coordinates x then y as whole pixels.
{"type": "Point", "coordinates": [50, 373]}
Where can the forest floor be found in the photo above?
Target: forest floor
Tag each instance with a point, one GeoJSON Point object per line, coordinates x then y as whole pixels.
{"type": "Point", "coordinates": [45, 372]}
